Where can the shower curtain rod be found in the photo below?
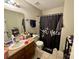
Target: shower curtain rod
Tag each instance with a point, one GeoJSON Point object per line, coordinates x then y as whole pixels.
{"type": "Point", "coordinates": [49, 14]}
{"type": "Point", "coordinates": [52, 14]}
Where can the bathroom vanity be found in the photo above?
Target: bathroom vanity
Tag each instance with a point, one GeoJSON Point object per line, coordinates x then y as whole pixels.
{"type": "Point", "coordinates": [25, 52]}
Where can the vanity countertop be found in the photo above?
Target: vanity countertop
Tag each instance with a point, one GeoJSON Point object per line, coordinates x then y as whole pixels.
{"type": "Point", "coordinates": [12, 52]}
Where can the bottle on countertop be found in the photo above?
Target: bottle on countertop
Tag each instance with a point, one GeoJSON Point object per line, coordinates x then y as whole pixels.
{"type": "Point", "coordinates": [13, 39]}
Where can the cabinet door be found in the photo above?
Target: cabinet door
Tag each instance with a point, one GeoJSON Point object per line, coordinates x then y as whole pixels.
{"type": "Point", "coordinates": [13, 57]}
{"type": "Point", "coordinates": [26, 53]}
{"type": "Point", "coordinates": [29, 51]}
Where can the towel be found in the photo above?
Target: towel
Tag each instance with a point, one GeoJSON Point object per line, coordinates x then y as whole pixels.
{"type": "Point", "coordinates": [33, 23]}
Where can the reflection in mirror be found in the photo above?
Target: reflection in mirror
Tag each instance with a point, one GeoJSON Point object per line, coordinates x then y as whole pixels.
{"type": "Point", "coordinates": [12, 19]}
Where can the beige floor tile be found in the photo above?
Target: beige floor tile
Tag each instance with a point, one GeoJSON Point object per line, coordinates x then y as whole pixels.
{"type": "Point", "coordinates": [44, 55]}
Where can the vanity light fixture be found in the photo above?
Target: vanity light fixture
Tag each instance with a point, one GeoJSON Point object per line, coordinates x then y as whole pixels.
{"type": "Point", "coordinates": [12, 2]}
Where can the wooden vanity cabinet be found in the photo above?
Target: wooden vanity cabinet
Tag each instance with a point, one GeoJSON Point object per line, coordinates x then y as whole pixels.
{"type": "Point", "coordinates": [25, 53]}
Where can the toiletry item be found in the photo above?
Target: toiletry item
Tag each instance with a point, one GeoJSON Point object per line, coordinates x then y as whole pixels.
{"type": "Point", "coordinates": [31, 34]}
{"type": "Point", "coordinates": [21, 37]}
{"type": "Point", "coordinates": [26, 42]}
{"type": "Point", "coordinates": [26, 33]}
{"type": "Point", "coordinates": [13, 38]}
{"type": "Point", "coordinates": [15, 31]}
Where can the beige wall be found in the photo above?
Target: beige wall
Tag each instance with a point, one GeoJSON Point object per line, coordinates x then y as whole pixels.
{"type": "Point", "coordinates": [53, 11]}
{"type": "Point", "coordinates": [68, 21]}
{"type": "Point", "coordinates": [30, 12]}
{"type": "Point", "coordinates": [30, 29]}
{"type": "Point", "coordinates": [13, 19]}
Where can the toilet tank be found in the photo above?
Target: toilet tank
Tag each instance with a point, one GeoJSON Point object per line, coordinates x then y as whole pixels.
{"type": "Point", "coordinates": [36, 38]}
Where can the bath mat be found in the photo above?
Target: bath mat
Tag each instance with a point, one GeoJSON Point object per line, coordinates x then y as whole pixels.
{"type": "Point", "coordinates": [48, 50]}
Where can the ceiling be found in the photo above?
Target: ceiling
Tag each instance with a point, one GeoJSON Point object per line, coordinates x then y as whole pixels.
{"type": "Point", "coordinates": [46, 4]}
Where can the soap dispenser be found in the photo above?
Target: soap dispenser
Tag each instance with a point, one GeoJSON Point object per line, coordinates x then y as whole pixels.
{"type": "Point", "coordinates": [13, 39]}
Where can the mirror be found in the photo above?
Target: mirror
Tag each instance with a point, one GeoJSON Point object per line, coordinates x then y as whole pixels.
{"type": "Point", "coordinates": [12, 19]}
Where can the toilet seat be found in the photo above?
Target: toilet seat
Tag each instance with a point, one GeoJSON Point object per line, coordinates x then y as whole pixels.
{"type": "Point", "coordinates": [39, 44]}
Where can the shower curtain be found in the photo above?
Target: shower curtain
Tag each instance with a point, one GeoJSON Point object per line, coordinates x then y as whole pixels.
{"type": "Point", "coordinates": [50, 30]}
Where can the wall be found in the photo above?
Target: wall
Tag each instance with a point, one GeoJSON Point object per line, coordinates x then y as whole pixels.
{"type": "Point", "coordinates": [13, 19]}
{"type": "Point", "coordinates": [53, 11]}
{"type": "Point", "coordinates": [30, 12]}
{"type": "Point", "coordinates": [68, 21]}
{"type": "Point", "coordinates": [35, 29]}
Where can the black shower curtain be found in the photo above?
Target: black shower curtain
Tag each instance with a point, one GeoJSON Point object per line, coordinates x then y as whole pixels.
{"type": "Point", "coordinates": [50, 30]}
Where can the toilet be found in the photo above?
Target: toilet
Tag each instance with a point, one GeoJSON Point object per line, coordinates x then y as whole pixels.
{"type": "Point", "coordinates": [39, 43]}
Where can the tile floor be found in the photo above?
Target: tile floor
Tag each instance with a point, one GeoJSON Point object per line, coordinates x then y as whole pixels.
{"type": "Point", "coordinates": [44, 55]}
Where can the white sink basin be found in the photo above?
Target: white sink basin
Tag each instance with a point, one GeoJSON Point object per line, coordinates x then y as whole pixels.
{"type": "Point", "coordinates": [16, 45]}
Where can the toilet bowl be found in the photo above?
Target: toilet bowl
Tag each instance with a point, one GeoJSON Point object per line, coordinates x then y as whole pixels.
{"type": "Point", "coordinates": [39, 44]}
{"type": "Point", "coordinates": [36, 38]}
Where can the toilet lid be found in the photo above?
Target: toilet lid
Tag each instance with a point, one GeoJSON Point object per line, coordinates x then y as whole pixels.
{"type": "Point", "coordinates": [39, 43]}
